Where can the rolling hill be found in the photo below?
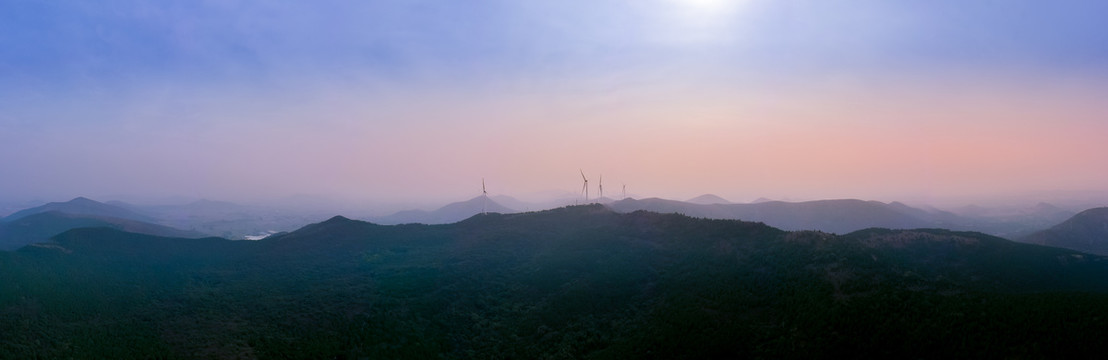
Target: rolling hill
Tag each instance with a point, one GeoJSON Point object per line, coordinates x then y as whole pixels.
{"type": "Point", "coordinates": [575, 282]}
{"type": "Point", "coordinates": [1087, 231]}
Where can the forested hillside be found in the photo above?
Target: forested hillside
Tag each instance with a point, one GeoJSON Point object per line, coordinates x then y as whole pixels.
{"type": "Point", "coordinates": [577, 282]}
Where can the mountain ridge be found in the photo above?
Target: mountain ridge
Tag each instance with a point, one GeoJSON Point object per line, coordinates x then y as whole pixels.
{"type": "Point", "coordinates": [837, 216]}
{"type": "Point", "coordinates": [82, 206]}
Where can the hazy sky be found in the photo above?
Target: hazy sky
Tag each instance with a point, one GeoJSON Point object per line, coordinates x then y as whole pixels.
{"type": "Point", "coordinates": [411, 99]}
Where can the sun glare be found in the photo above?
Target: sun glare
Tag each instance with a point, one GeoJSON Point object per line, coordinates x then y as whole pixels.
{"type": "Point", "coordinates": [701, 21]}
{"type": "Point", "coordinates": [708, 6]}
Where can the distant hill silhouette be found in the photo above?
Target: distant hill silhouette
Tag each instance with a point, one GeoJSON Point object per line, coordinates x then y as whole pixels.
{"type": "Point", "coordinates": [1087, 231]}
{"type": "Point", "coordinates": [40, 227]}
{"type": "Point", "coordinates": [450, 213]}
{"type": "Point", "coordinates": [82, 206]}
{"type": "Point", "coordinates": [708, 199]}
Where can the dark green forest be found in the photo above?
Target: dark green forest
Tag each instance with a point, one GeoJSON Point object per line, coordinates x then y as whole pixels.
{"type": "Point", "coordinates": [576, 282]}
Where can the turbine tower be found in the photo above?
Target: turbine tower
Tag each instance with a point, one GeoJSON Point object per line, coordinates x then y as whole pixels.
{"type": "Point", "coordinates": [585, 187]}
{"type": "Point", "coordinates": [601, 183]}
{"type": "Point", "coordinates": [624, 191]}
{"type": "Point", "coordinates": [485, 195]}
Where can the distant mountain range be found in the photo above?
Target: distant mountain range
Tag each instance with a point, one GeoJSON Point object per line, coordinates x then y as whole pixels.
{"type": "Point", "coordinates": [837, 216]}
{"type": "Point", "coordinates": [82, 206]}
{"type": "Point", "coordinates": [39, 223]}
{"type": "Point", "coordinates": [847, 215]}
{"type": "Point", "coordinates": [194, 219]}
{"type": "Point", "coordinates": [449, 213]}
{"type": "Point", "coordinates": [1087, 231]}
{"type": "Point", "coordinates": [234, 221]}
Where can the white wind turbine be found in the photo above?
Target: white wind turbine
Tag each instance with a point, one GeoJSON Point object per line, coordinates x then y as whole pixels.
{"type": "Point", "coordinates": [485, 195]}
{"type": "Point", "coordinates": [600, 182]}
{"type": "Point", "coordinates": [585, 187]}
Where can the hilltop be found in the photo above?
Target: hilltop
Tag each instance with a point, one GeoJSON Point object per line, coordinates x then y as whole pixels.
{"type": "Point", "coordinates": [708, 199]}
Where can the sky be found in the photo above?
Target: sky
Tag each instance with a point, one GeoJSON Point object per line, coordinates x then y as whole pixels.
{"type": "Point", "coordinates": [419, 100]}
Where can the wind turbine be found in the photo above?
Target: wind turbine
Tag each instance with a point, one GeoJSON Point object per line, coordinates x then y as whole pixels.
{"type": "Point", "coordinates": [585, 187]}
{"type": "Point", "coordinates": [624, 191]}
{"type": "Point", "coordinates": [601, 183]}
{"type": "Point", "coordinates": [485, 195]}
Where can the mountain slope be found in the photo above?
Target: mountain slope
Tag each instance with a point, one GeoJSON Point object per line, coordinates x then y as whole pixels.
{"type": "Point", "coordinates": [981, 262]}
{"type": "Point", "coordinates": [82, 206]}
{"type": "Point", "coordinates": [1087, 231]}
{"type": "Point", "coordinates": [450, 213]}
{"type": "Point", "coordinates": [40, 227]}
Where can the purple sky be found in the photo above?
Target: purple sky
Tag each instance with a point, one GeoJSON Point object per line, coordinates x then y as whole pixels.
{"type": "Point", "coordinates": [418, 100]}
